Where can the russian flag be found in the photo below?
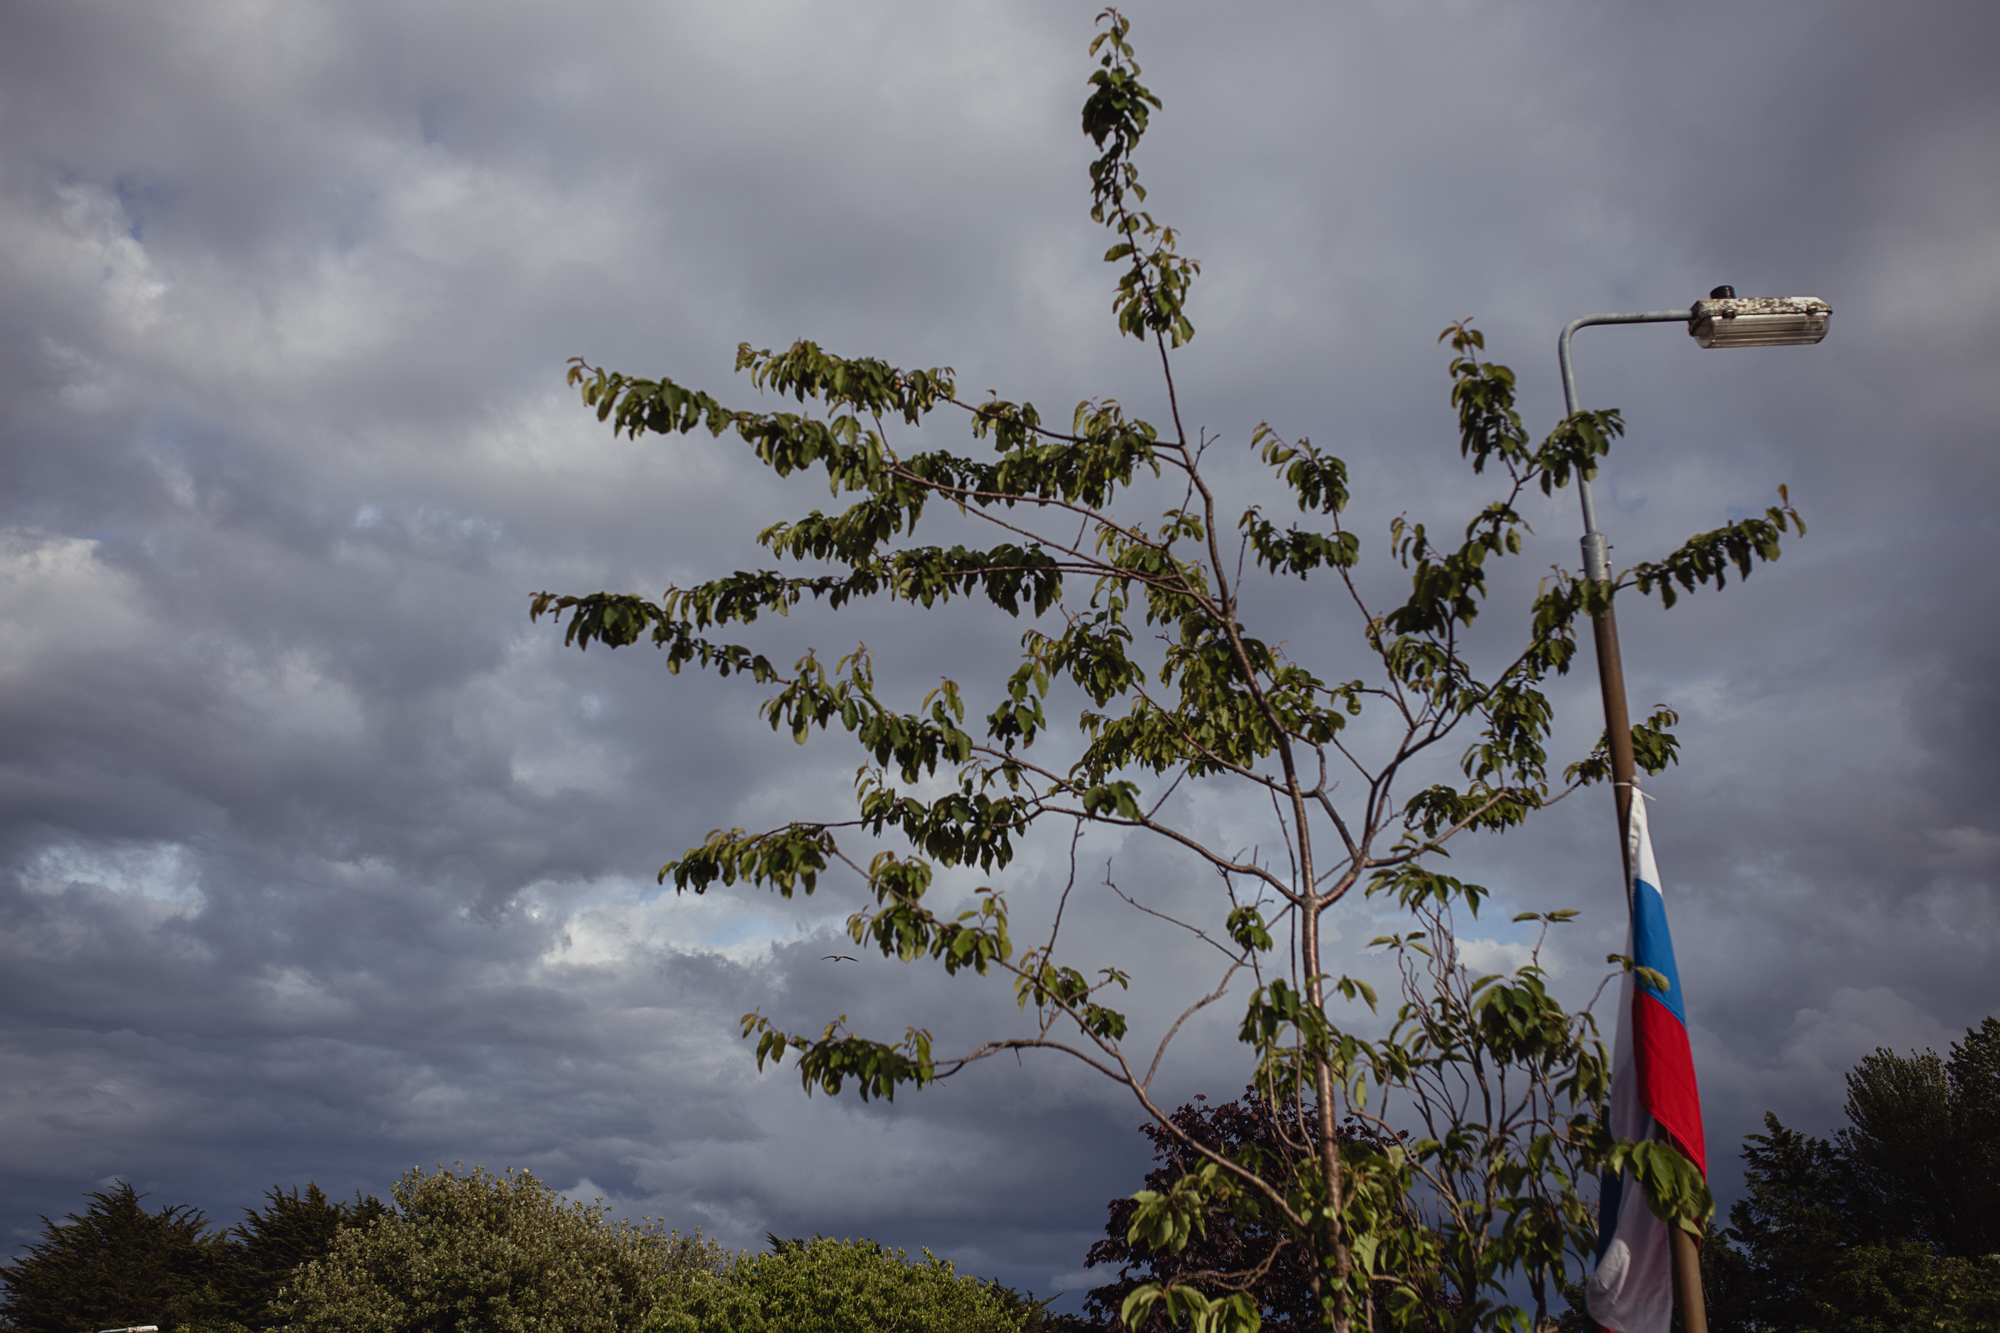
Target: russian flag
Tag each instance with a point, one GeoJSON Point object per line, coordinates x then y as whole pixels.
{"type": "Point", "coordinates": [1653, 1095]}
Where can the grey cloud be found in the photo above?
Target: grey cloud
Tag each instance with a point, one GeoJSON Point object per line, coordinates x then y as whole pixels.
{"type": "Point", "coordinates": [321, 861]}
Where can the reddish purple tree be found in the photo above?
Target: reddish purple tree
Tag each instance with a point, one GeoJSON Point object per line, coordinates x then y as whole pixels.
{"type": "Point", "coordinates": [1233, 1250]}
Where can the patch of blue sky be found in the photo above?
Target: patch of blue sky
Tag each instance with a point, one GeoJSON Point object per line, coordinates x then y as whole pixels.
{"type": "Point", "coordinates": [160, 871]}
{"type": "Point", "coordinates": [143, 201]}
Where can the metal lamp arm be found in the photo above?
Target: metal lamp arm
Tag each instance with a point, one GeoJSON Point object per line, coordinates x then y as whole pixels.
{"type": "Point", "coordinates": [1596, 553]}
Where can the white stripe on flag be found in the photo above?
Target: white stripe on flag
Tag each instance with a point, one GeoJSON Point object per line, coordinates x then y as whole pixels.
{"type": "Point", "coordinates": [1632, 1288]}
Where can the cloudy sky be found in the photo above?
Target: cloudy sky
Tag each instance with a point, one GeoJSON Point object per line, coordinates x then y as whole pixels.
{"type": "Point", "coordinates": [321, 861]}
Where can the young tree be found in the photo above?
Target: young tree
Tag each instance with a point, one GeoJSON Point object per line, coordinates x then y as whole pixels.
{"type": "Point", "coordinates": [1502, 1082]}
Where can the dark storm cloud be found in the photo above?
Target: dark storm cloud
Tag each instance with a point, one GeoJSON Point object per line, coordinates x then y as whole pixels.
{"type": "Point", "coordinates": [320, 861]}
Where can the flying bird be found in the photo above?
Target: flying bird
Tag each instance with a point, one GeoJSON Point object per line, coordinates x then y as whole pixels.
{"type": "Point", "coordinates": [840, 958]}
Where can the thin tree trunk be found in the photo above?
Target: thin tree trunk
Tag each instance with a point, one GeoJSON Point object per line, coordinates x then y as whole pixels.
{"type": "Point", "coordinates": [1329, 1126]}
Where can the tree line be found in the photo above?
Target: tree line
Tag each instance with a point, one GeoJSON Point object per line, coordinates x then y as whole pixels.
{"type": "Point", "coordinates": [459, 1249]}
{"type": "Point", "coordinates": [1892, 1224]}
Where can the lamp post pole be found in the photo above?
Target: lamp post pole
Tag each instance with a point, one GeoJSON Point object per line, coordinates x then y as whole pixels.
{"type": "Point", "coordinates": [1618, 736]}
{"type": "Point", "coordinates": [1723, 320]}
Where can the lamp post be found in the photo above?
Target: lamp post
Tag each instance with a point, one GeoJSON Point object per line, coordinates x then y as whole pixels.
{"type": "Point", "coordinates": [1723, 320]}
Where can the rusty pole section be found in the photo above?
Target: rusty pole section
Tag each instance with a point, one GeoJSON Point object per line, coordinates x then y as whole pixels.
{"type": "Point", "coordinates": [1618, 731]}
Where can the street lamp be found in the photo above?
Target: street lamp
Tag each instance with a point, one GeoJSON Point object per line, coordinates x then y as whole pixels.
{"type": "Point", "coordinates": [1723, 320]}
{"type": "Point", "coordinates": [1728, 320]}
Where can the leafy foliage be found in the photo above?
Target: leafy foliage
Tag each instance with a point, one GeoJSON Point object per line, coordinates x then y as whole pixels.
{"type": "Point", "coordinates": [834, 1286]}
{"type": "Point", "coordinates": [1504, 1088]}
{"type": "Point", "coordinates": [503, 1253]}
{"type": "Point", "coordinates": [1145, 620]}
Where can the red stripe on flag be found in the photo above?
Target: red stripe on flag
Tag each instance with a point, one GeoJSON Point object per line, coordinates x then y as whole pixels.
{"type": "Point", "coordinates": [1665, 1066]}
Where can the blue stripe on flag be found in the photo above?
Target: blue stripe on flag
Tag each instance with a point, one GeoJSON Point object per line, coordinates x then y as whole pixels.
{"type": "Point", "coordinates": [1611, 1186]}
{"type": "Point", "coordinates": [1653, 946]}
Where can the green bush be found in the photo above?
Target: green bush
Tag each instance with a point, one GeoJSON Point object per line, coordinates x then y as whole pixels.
{"type": "Point", "coordinates": [833, 1286]}
{"type": "Point", "coordinates": [501, 1254]}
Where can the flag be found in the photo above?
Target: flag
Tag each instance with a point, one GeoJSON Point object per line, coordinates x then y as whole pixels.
{"type": "Point", "coordinates": [1653, 1096]}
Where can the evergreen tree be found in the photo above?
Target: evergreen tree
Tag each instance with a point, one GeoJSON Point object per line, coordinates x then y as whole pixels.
{"type": "Point", "coordinates": [117, 1265]}
{"type": "Point", "coordinates": [293, 1229]}
{"type": "Point", "coordinates": [1784, 1236]}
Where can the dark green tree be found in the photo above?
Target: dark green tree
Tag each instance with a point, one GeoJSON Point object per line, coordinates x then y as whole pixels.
{"type": "Point", "coordinates": [1922, 1145]}
{"type": "Point", "coordinates": [1885, 1227]}
{"type": "Point", "coordinates": [1772, 1266]}
{"type": "Point", "coordinates": [1974, 1070]}
{"type": "Point", "coordinates": [117, 1265]}
{"type": "Point", "coordinates": [1120, 543]}
{"type": "Point", "coordinates": [290, 1230]}
{"type": "Point", "coordinates": [1896, 1285]}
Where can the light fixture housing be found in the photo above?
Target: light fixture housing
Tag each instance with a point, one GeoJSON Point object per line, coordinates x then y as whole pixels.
{"type": "Point", "coordinates": [1759, 321]}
